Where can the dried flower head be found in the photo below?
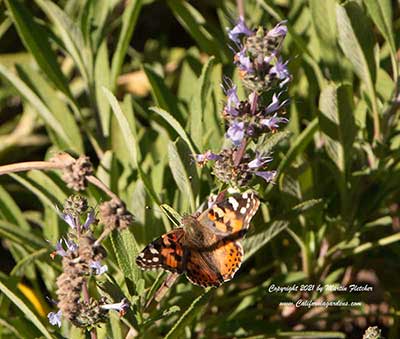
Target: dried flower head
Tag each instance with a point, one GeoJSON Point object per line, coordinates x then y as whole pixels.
{"type": "Point", "coordinates": [114, 215]}
{"type": "Point", "coordinates": [75, 205]}
{"type": "Point", "coordinates": [76, 172]}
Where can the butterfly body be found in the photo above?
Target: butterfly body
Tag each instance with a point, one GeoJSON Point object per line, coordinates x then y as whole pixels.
{"type": "Point", "coordinates": [208, 247]}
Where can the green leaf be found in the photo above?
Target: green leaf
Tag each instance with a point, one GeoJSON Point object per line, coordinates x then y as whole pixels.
{"type": "Point", "coordinates": [11, 293]}
{"type": "Point", "coordinates": [336, 121]}
{"type": "Point", "coordinates": [253, 243]}
{"type": "Point", "coordinates": [306, 205]}
{"type": "Point", "coordinates": [199, 102]}
{"type": "Point", "coordinates": [20, 267]}
{"type": "Point", "coordinates": [71, 36]}
{"type": "Point", "coordinates": [297, 147]}
{"type": "Point", "coordinates": [381, 13]}
{"type": "Point", "coordinates": [127, 130]}
{"type": "Point", "coordinates": [199, 29]}
{"type": "Point", "coordinates": [172, 214]}
{"type": "Point", "coordinates": [10, 210]}
{"type": "Point", "coordinates": [180, 174]}
{"type": "Point", "coordinates": [102, 79]}
{"type": "Point", "coordinates": [38, 104]}
{"type": "Point", "coordinates": [35, 39]}
{"type": "Point", "coordinates": [126, 250]}
{"type": "Point", "coordinates": [356, 41]}
{"type": "Point", "coordinates": [188, 316]}
{"type": "Point", "coordinates": [162, 95]}
{"type": "Point", "coordinates": [266, 145]}
{"type": "Point", "coordinates": [176, 126]}
{"type": "Point", "coordinates": [129, 20]}
{"type": "Point", "coordinates": [41, 184]}
{"type": "Point", "coordinates": [20, 236]}
{"type": "Point", "coordinates": [55, 104]}
{"type": "Point", "coordinates": [325, 27]}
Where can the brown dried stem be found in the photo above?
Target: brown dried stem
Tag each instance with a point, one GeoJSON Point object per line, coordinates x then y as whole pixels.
{"type": "Point", "coordinates": [58, 162]}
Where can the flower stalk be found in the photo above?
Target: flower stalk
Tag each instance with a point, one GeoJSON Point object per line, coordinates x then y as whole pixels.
{"type": "Point", "coordinates": [265, 76]}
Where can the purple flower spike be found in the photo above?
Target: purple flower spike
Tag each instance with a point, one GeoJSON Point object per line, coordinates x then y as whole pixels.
{"type": "Point", "coordinates": [98, 268]}
{"type": "Point", "coordinates": [281, 71]}
{"type": "Point", "coordinates": [279, 30]}
{"type": "Point", "coordinates": [268, 176]}
{"type": "Point", "coordinates": [236, 132]}
{"type": "Point", "coordinates": [238, 30]}
{"type": "Point", "coordinates": [275, 105]}
{"type": "Point", "coordinates": [90, 219]}
{"type": "Point", "coordinates": [259, 161]}
{"type": "Point", "coordinates": [55, 318]}
{"type": "Point", "coordinates": [272, 122]}
{"type": "Point", "coordinates": [121, 307]}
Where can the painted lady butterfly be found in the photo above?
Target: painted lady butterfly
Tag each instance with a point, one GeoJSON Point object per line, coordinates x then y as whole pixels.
{"type": "Point", "coordinates": [207, 248]}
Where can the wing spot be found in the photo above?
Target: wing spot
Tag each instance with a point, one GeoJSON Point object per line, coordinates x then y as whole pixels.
{"type": "Point", "coordinates": [153, 250]}
{"type": "Point", "coordinates": [243, 210]}
{"type": "Point", "coordinates": [234, 203]}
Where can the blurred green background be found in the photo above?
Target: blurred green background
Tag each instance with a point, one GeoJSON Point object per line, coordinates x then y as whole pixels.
{"type": "Point", "coordinates": [331, 218]}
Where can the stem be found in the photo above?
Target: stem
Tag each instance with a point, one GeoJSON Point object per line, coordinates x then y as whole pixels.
{"type": "Point", "coordinates": [240, 152]}
{"type": "Point", "coordinates": [30, 165]}
{"type": "Point", "coordinates": [99, 184]}
{"type": "Point", "coordinates": [240, 6]}
{"type": "Point", "coordinates": [86, 297]}
{"type": "Point", "coordinates": [58, 162]}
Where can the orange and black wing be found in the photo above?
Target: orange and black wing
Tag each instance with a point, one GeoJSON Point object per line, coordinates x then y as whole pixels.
{"type": "Point", "coordinates": [232, 215]}
{"type": "Point", "coordinates": [166, 252]}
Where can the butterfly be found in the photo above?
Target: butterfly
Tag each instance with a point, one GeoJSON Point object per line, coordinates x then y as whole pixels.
{"type": "Point", "coordinates": [207, 248]}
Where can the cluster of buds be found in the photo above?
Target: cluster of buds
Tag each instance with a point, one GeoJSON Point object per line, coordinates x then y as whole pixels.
{"type": "Point", "coordinates": [258, 59]}
{"type": "Point", "coordinates": [265, 75]}
{"type": "Point", "coordinates": [81, 259]}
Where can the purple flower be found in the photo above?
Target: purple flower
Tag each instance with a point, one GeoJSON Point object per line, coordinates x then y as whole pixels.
{"type": "Point", "coordinates": [71, 245]}
{"type": "Point", "coordinates": [268, 176]}
{"type": "Point", "coordinates": [238, 30]}
{"type": "Point", "coordinates": [259, 161]}
{"type": "Point", "coordinates": [59, 249]}
{"type": "Point", "coordinates": [55, 318]}
{"type": "Point", "coordinates": [121, 307]}
{"type": "Point", "coordinates": [232, 101]}
{"type": "Point", "coordinates": [207, 156]}
{"type": "Point", "coordinates": [236, 132]}
{"type": "Point", "coordinates": [90, 219]}
{"type": "Point", "coordinates": [98, 268]}
{"type": "Point", "coordinates": [275, 105]}
{"type": "Point", "coordinates": [244, 61]}
{"type": "Point", "coordinates": [272, 122]}
{"type": "Point", "coordinates": [69, 219]}
{"type": "Point", "coordinates": [281, 71]}
{"type": "Point", "coordinates": [280, 30]}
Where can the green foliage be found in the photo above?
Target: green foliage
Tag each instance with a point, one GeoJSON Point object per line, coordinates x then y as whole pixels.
{"type": "Point", "coordinates": [334, 207]}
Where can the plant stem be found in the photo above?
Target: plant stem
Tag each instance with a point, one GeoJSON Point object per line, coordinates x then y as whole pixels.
{"type": "Point", "coordinates": [58, 162]}
{"type": "Point", "coordinates": [30, 165]}
{"type": "Point", "coordinates": [240, 6]}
